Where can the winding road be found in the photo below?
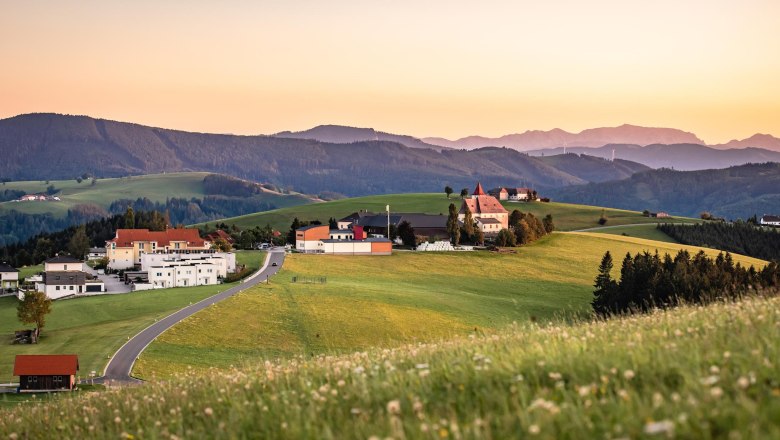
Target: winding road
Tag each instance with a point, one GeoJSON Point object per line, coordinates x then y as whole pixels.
{"type": "Point", "coordinates": [121, 365]}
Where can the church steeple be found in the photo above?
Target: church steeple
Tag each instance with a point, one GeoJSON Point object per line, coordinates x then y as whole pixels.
{"type": "Point", "coordinates": [479, 191]}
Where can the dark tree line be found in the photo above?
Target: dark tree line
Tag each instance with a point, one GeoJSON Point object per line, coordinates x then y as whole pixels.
{"type": "Point", "coordinates": [183, 211]}
{"type": "Point", "coordinates": [17, 226]}
{"type": "Point", "coordinates": [43, 246]}
{"type": "Point", "coordinates": [650, 281]}
{"type": "Point", "coordinates": [739, 237]}
{"type": "Point", "coordinates": [524, 228]}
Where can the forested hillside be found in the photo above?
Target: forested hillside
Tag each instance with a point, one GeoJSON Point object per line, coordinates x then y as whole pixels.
{"type": "Point", "coordinates": [49, 146]}
{"type": "Point", "coordinates": [741, 238]}
{"type": "Point", "coordinates": [736, 192]}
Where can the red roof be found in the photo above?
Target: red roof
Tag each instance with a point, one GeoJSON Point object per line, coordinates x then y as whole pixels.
{"type": "Point", "coordinates": [126, 237]}
{"type": "Point", "coordinates": [45, 364]}
{"type": "Point", "coordinates": [479, 191]}
{"type": "Point", "coordinates": [219, 233]}
{"type": "Point", "coordinates": [482, 205]}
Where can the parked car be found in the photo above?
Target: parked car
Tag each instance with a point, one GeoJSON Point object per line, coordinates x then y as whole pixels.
{"type": "Point", "coordinates": [274, 264]}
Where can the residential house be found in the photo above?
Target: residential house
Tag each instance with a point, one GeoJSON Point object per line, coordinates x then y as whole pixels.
{"type": "Point", "coordinates": [220, 234]}
{"type": "Point", "coordinates": [512, 194]}
{"type": "Point", "coordinates": [660, 214]}
{"type": "Point", "coordinates": [9, 279]}
{"type": "Point", "coordinates": [125, 249]}
{"type": "Point", "coordinates": [64, 276]}
{"type": "Point", "coordinates": [770, 220]}
{"type": "Point", "coordinates": [486, 210]}
{"type": "Point", "coordinates": [46, 372]}
{"type": "Point", "coordinates": [96, 253]}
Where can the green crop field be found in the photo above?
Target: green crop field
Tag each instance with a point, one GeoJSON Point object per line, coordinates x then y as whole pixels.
{"type": "Point", "coordinates": [383, 301]}
{"type": "Point", "coordinates": [156, 187]}
{"type": "Point", "coordinates": [694, 373]}
{"type": "Point", "coordinates": [567, 216]}
{"type": "Point", "coordinates": [95, 327]}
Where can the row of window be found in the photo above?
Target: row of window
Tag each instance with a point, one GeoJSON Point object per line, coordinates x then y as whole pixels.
{"type": "Point", "coordinates": [63, 287]}
{"type": "Point", "coordinates": [55, 379]}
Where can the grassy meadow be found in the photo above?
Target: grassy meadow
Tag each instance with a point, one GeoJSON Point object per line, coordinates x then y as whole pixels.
{"type": "Point", "coordinates": [95, 327]}
{"type": "Point", "coordinates": [385, 301]}
{"type": "Point", "coordinates": [567, 216]}
{"type": "Point", "coordinates": [156, 187]}
{"type": "Point", "coordinates": [694, 372]}
{"type": "Point", "coordinates": [646, 231]}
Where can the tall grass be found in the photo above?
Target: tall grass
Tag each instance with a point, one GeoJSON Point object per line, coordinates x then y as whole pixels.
{"type": "Point", "coordinates": [693, 372]}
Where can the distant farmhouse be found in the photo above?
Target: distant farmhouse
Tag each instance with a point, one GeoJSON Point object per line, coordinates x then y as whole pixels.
{"type": "Point", "coordinates": [770, 220]}
{"type": "Point", "coordinates": [513, 194]}
{"type": "Point", "coordinates": [37, 198]}
{"type": "Point", "coordinates": [487, 211]}
{"type": "Point", "coordinates": [320, 239]}
{"type": "Point", "coordinates": [64, 276]}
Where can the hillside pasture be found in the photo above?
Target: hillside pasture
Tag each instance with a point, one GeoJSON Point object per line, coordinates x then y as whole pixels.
{"type": "Point", "coordinates": [155, 187]}
{"type": "Point", "coordinates": [567, 216]}
{"type": "Point", "coordinates": [385, 301]}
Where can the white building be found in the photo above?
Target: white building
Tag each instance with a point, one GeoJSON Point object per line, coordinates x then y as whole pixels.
{"type": "Point", "coordinates": [770, 220]}
{"type": "Point", "coordinates": [9, 278]}
{"type": "Point", "coordinates": [184, 273]}
{"type": "Point", "coordinates": [225, 261]}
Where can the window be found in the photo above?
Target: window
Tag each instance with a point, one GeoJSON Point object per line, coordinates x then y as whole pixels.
{"type": "Point", "coordinates": [71, 287]}
{"type": "Point", "coordinates": [141, 246]}
{"type": "Point", "coordinates": [34, 379]}
{"type": "Point", "coordinates": [57, 288]}
{"type": "Point", "coordinates": [66, 267]}
{"type": "Point", "coordinates": [159, 274]}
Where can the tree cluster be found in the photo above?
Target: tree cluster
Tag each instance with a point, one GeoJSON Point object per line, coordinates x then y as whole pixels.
{"type": "Point", "coordinates": [738, 237]}
{"type": "Point", "coordinates": [650, 281]}
{"type": "Point", "coordinates": [528, 228]}
{"type": "Point", "coordinates": [183, 211]}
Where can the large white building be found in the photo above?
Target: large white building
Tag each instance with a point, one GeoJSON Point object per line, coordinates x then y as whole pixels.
{"type": "Point", "coordinates": [187, 269]}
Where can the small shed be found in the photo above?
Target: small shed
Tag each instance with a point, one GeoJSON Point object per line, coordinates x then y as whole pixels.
{"type": "Point", "coordinates": [46, 372]}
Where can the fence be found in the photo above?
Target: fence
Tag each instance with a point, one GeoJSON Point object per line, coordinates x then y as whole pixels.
{"type": "Point", "coordinates": [309, 280]}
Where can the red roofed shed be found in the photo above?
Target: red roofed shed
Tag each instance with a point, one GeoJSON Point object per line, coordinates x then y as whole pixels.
{"type": "Point", "coordinates": [42, 372]}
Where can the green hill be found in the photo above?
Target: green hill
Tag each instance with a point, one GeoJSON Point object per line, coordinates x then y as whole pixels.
{"type": "Point", "coordinates": [736, 192]}
{"type": "Point", "coordinates": [155, 187]}
{"type": "Point", "coordinates": [698, 372]}
{"type": "Point", "coordinates": [568, 217]}
{"type": "Point", "coordinates": [383, 301]}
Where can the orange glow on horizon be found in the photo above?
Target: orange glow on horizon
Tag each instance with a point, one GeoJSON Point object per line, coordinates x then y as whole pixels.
{"type": "Point", "coordinates": [447, 69]}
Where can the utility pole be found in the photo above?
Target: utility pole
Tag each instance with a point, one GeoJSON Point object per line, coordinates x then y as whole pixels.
{"type": "Point", "coordinates": [387, 208]}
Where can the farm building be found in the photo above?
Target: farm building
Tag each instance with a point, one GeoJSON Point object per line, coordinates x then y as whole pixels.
{"type": "Point", "coordinates": [770, 220]}
{"type": "Point", "coordinates": [427, 225]}
{"type": "Point", "coordinates": [320, 239]}
{"type": "Point", "coordinates": [513, 194]}
{"type": "Point", "coordinates": [46, 372]}
{"type": "Point", "coordinates": [64, 276]}
{"type": "Point", "coordinates": [486, 210]}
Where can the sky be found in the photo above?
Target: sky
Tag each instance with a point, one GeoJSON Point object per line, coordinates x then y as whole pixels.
{"type": "Point", "coordinates": [434, 68]}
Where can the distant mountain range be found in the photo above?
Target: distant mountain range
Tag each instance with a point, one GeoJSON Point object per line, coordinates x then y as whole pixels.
{"type": "Point", "coordinates": [50, 146]}
{"type": "Point", "coordinates": [735, 192]}
{"type": "Point", "coordinates": [654, 147]}
{"type": "Point", "coordinates": [684, 157]}
{"type": "Point", "coordinates": [339, 134]}
{"type": "Point", "coordinates": [593, 137]}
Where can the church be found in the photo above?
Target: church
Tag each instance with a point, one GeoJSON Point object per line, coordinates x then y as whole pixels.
{"type": "Point", "coordinates": [487, 211]}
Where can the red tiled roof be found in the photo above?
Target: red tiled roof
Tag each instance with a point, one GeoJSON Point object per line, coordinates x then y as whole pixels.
{"type": "Point", "coordinates": [126, 237]}
{"type": "Point", "coordinates": [478, 191]}
{"type": "Point", "coordinates": [482, 205]}
{"type": "Point", "coordinates": [219, 233]}
{"type": "Point", "coordinates": [45, 364]}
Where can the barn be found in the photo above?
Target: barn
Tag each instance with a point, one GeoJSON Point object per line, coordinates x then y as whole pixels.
{"type": "Point", "coordinates": [46, 372]}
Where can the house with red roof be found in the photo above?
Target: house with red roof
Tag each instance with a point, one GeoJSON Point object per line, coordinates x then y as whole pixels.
{"type": "Point", "coordinates": [219, 233]}
{"type": "Point", "coordinates": [489, 214]}
{"type": "Point", "coordinates": [46, 372]}
{"type": "Point", "coordinates": [125, 249]}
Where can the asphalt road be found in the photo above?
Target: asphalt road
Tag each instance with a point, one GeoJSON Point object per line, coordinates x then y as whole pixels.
{"type": "Point", "coordinates": [120, 366]}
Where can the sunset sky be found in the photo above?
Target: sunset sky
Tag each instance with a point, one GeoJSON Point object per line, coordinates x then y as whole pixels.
{"type": "Point", "coordinates": [445, 68]}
